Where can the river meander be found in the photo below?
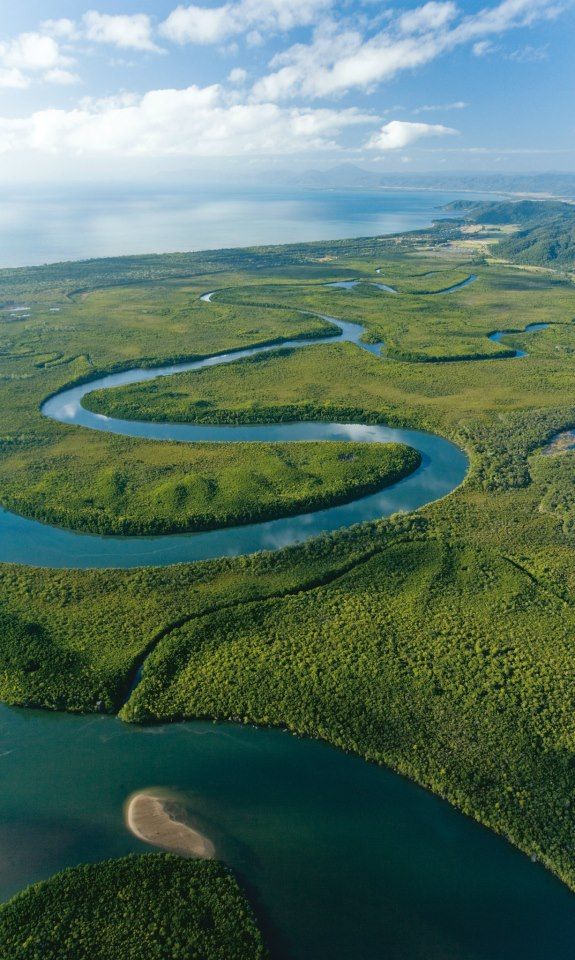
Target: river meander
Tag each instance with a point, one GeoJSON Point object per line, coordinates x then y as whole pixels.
{"type": "Point", "coordinates": [343, 860]}
{"type": "Point", "coordinates": [23, 540]}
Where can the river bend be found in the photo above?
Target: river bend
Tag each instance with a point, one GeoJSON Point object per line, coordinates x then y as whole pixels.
{"type": "Point", "coordinates": [27, 541]}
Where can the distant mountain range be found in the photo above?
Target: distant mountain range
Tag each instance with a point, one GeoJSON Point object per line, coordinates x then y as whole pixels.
{"type": "Point", "coordinates": [349, 176]}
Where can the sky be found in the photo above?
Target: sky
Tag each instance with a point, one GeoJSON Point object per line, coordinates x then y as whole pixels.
{"type": "Point", "coordinates": [155, 90]}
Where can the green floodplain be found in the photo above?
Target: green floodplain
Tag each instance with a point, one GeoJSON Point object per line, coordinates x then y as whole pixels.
{"type": "Point", "coordinates": [438, 643]}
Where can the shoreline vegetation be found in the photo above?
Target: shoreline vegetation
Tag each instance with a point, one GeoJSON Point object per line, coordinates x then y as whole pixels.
{"type": "Point", "coordinates": [438, 643]}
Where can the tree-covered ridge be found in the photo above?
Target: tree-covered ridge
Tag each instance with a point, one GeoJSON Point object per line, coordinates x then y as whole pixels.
{"type": "Point", "coordinates": [151, 907]}
{"type": "Point", "coordinates": [545, 234]}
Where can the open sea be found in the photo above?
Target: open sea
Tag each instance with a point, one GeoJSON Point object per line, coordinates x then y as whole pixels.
{"type": "Point", "coordinates": [44, 225]}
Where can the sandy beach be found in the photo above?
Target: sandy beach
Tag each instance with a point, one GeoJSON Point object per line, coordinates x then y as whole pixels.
{"type": "Point", "coordinates": [161, 821]}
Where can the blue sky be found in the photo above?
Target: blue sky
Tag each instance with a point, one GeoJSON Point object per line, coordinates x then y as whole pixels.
{"type": "Point", "coordinates": [151, 89]}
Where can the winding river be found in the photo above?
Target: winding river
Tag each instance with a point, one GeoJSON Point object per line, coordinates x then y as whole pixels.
{"type": "Point", "coordinates": [23, 540]}
{"type": "Point", "coordinates": [343, 860]}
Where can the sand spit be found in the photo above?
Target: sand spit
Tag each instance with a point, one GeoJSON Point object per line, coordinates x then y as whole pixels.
{"type": "Point", "coordinates": [161, 821]}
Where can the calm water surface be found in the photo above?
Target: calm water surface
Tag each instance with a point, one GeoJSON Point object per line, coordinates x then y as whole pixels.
{"type": "Point", "coordinates": [40, 226]}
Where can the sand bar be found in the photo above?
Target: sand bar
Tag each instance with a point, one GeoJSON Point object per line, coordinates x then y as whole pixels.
{"type": "Point", "coordinates": [161, 821]}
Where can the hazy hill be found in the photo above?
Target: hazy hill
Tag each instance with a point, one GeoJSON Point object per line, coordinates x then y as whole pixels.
{"type": "Point", "coordinates": [547, 230]}
{"type": "Point", "coordinates": [350, 176]}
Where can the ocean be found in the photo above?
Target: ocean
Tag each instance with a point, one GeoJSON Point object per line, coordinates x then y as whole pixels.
{"type": "Point", "coordinates": [44, 225]}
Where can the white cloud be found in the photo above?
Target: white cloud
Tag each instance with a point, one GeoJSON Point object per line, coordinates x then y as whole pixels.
{"type": "Point", "coordinates": [64, 28]}
{"type": "Point", "coordinates": [13, 79]}
{"type": "Point", "coordinates": [198, 24]}
{"type": "Point", "coordinates": [33, 56]}
{"type": "Point", "coordinates": [205, 25]}
{"type": "Point", "coordinates": [431, 16]}
{"type": "Point", "coordinates": [441, 107]}
{"type": "Point", "coordinates": [194, 121]}
{"type": "Point", "coordinates": [129, 31]}
{"type": "Point", "coordinates": [508, 15]}
{"type": "Point", "coordinates": [482, 48]}
{"type": "Point", "coordinates": [399, 134]}
{"type": "Point", "coordinates": [341, 59]}
{"type": "Point", "coordinates": [63, 78]}
{"type": "Point", "coordinates": [338, 61]}
{"type": "Point", "coordinates": [283, 14]}
{"type": "Point", "coordinates": [237, 75]}
{"type": "Point", "coordinates": [32, 52]}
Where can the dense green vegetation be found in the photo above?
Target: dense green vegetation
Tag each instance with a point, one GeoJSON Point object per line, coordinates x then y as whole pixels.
{"type": "Point", "coordinates": [449, 663]}
{"type": "Point", "coordinates": [546, 231]}
{"type": "Point", "coordinates": [168, 488]}
{"type": "Point", "coordinates": [554, 474]}
{"type": "Point", "coordinates": [441, 643]}
{"type": "Point", "coordinates": [152, 907]}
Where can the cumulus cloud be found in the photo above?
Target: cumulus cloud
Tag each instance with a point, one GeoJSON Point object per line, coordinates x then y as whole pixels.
{"type": "Point", "coordinates": [195, 24]}
{"type": "Point", "coordinates": [204, 25]}
{"type": "Point", "coordinates": [187, 122]}
{"type": "Point", "coordinates": [32, 52]}
{"type": "Point", "coordinates": [64, 28]}
{"type": "Point", "coordinates": [399, 134]}
{"type": "Point", "coordinates": [129, 31]}
{"type": "Point", "coordinates": [341, 59]}
{"type": "Point", "coordinates": [13, 79]}
{"type": "Point", "coordinates": [237, 75]}
{"type": "Point", "coordinates": [31, 56]}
